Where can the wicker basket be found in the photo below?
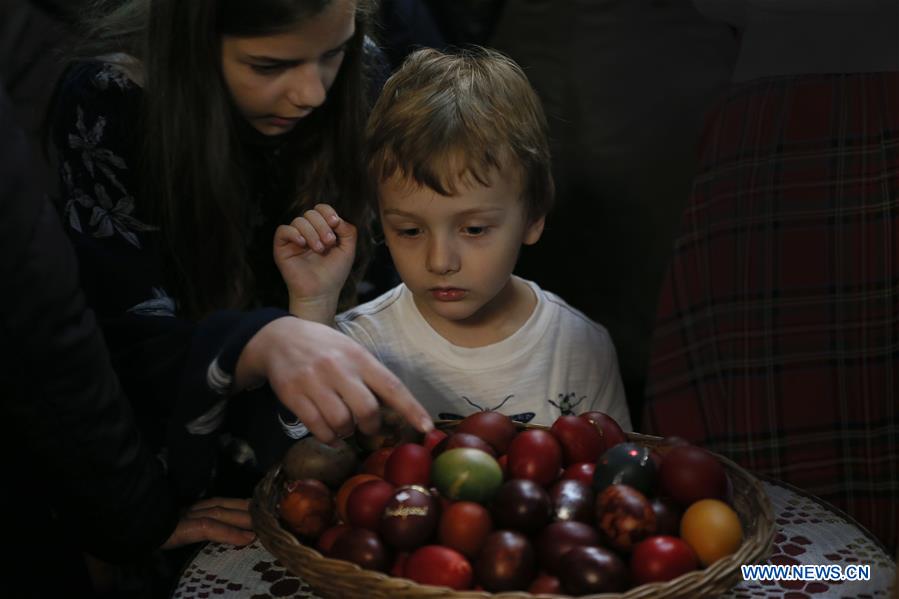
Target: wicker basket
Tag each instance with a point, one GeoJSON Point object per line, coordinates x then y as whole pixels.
{"type": "Point", "coordinates": [341, 579]}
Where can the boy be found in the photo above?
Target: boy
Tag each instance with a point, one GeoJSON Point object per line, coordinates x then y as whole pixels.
{"type": "Point", "coordinates": [457, 151]}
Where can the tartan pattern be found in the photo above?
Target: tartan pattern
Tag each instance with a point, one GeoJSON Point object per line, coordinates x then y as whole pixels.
{"type": "Point", "coordinates": [777, 332]}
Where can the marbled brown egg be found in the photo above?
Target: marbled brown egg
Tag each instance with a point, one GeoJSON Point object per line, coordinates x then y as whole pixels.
{"type": "Point", "coordinates": [624, 517]}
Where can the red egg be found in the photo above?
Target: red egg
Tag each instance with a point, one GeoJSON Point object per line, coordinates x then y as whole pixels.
{"type": "Point", "coordinates": [376, 461]}
{"type": "Point", "coordinates": [463, 526]}
{"type": "Point", "coordinates": [581, 441]}
{"type": "Point", "coordinates": [327, 538]}
{"type": "Point", "coordinates": [662, 558]}
{"type": "Point", "coordinates": [362, 547]}
{"type": "Point", "coordinates": [439, 566]}
{"type": "Point", "coordinates": [624, 517]}
{"type": "Point", "coordinates": [612, 433]}
{"type": "Point", "coordinates": [307, 508]}
{"type": "Point", "coordinates": [366, 503]}
{"type": "Point", "coordinates": [496, 429]}
{"type": "Point", "coordinates": [409, 464]}
{"type": "Point", "coordinates": [535, 455]}
{"type": "Point", "coordinates": [690, 473]}
{"type": "Point", "coordinates": [433, 438]}
{"type": "Point", "coordinates": [559, 538]}
{"type": "Point", "coordinates": [582, 471]}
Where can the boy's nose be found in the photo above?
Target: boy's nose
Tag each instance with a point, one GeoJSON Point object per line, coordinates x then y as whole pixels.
{"type": "Point", "coordinates": [306, 88]}
{"type": "Point", "coordinates": [442, 258]}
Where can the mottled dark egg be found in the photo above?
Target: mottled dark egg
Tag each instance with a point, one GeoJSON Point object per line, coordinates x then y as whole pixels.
{"type": "Point", "coordinates": [624, 517]}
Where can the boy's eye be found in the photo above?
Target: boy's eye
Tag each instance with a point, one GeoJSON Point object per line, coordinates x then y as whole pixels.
{"type": "Point", "coordinates": [408, 232]}
{"type": "Point", "coordinates": [476, 231]}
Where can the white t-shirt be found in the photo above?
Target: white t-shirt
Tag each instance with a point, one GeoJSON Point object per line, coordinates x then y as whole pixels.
{"type": "Point", "coordinates": [558, 362]}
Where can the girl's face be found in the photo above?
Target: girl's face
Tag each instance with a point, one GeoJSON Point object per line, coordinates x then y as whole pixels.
{"type": "Point", "coordinates": [276, 80]}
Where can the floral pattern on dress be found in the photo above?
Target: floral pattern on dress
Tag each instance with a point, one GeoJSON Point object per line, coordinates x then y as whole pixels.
{"type": "Point", "coordinates": [108, 216]}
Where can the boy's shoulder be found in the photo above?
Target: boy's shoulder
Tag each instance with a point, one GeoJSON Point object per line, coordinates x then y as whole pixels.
{"type": "Point", "coordinates": [570, 317]}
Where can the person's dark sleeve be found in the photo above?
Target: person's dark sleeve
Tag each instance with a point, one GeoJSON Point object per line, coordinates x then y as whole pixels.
{"type": "Point", "coordinates": [67, 406]}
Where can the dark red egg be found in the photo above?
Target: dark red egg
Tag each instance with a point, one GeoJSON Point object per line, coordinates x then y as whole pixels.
{"type": "Point", "coordinates": [572, 500]}
{"type": "Point", "coordinates": [581, 441]}
{"type": "Point", "coordinates": [535, 455]}
{"type": "Point", "coordinates": [624, 517]}
{"type": "Point", "coordinates": [662, 558]}
{"type": "Point", "coordinates": [458, 439]}
{"type": "Point", "coordinates": [398, 568]}
{"type": "Point", "coordinates": [626, 464]}
{"type": "Point", "coordinates": [362, 547]}
{"type": "Point", "coordinates": [522, 505]}
{"type": "Point", "coordinates": [668, 514]}
{"type": "Point", "coordinates": [588, 570]}
{"type": "Point", "coordinates": [559, 538]}
{"type": "Point", "coordinates": [366, 503]}
{"type": "Point", "coordinates": [409, 464]}
{"type": "Point", "coordinates": [307, 508]}
{"type": "Point", "coordinates": [494, 428]}
{"type": "Point", "coordinates": [410, 518]}
{"type": "Point", "coordinates": [545, 584]}
{"type": "Point", "coordinates": [506, 562]}
{"type": "Point", "coordinates": [439, 566]}
{"type": "Point", "coordinates": [580, 471]}
{"type": "Point", "coordinates": [690, 473]}
{"type": "Point", "coordinates": [612, 433]}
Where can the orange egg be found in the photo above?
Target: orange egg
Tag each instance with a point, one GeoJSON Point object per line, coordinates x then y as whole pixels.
{"type": "Point", "coordinates": [712, 529]}
{"type": "Point", "coordinates": [344, 492]}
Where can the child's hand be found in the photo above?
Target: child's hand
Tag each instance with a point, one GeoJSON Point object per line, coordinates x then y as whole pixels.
{"type": "Point", "coordinates": [315, 254]}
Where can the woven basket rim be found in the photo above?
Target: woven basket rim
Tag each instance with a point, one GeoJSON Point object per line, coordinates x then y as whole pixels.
{"type": "Point", "coordinates": [332, 577]}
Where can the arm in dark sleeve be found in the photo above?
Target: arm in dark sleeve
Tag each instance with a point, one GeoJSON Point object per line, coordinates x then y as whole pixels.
{"type": "Point", "coordinates": [163, 361]}
{"type": "Point", "coordinates": [67, 404]}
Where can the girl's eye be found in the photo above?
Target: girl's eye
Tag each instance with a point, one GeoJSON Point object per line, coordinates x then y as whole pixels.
{"type": "Point", "coordinates": [409, 232]}
{"type": "Point", "coordinates": [331, 54]}
{"type": "Point", "coordinates": [476, 231]}
{"type": "Point", "coordinates": [267, 69]}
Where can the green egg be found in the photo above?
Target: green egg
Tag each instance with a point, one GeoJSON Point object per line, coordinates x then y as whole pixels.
{"type": "Point", "coordinates": [466, 474]}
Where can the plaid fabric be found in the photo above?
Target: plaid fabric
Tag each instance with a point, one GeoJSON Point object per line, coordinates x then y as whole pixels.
{"type": "Point", "coordinates": [777, 333]}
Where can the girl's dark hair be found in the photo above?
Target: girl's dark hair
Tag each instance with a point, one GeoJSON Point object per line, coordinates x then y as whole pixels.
{"type": "Point", "coordinates": [194, 179]}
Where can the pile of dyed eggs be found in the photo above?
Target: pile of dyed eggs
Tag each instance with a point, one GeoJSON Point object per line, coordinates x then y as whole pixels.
{"type": "Point", "coordinates": [574, 509]}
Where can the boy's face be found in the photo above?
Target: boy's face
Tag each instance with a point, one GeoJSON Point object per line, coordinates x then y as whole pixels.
{"type": "Point", "coordinates": [456, 254]}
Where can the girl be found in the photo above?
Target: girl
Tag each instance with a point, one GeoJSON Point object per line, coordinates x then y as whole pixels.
{"type": "Point", "coordinates": [200, 127]}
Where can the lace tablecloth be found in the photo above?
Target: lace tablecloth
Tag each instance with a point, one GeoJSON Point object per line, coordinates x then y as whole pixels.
{"type": "Point", "coordinates": [808, 532]}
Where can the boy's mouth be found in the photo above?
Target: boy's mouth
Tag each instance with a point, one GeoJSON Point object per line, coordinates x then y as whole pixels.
{"type": "Point", "coordinates": [448, 294]}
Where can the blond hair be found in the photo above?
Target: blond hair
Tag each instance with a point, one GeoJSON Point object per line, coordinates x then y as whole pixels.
{"type": "Point", "coordinates": [471, 111]}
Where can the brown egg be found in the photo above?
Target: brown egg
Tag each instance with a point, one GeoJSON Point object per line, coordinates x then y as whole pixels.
{"type": "Point", "coordinates": [624, 517]}
{"type": "Point", "coordinates": [306, 508]}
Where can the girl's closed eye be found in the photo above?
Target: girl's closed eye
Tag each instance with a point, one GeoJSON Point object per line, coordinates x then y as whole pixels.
{"type": "Point", "coordinates": [408, 231]}
{"type": "Point", "coordinates": [268, 69]}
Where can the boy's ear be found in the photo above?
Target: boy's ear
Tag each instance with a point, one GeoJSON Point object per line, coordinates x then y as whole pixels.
{"type": "Point", "coordinates": [534, 231]}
